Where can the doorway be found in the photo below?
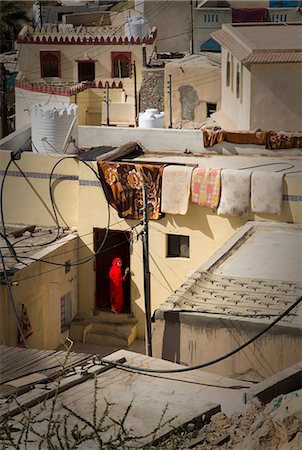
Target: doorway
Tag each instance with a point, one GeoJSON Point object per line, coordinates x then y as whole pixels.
{"type": "Point", "coordinates": [117, 244]}
{"type": "Point", "coordinates": [86, 71]}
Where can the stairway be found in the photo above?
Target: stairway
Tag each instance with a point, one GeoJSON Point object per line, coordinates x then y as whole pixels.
{"type": "Point", "coordinates": [105, 328]}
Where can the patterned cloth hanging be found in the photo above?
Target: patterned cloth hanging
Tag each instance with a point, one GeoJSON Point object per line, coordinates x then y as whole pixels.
{"type": "Point", "coordinates": [283, 140]}
{"type": "Point", "coordinates": [266, 192]}
{"type": "Point", "coordinates": [235, 192]}
{"type": "Point", "coordinates": [206, 187]}
{"type": "Point", "coordinates": [123, 183]}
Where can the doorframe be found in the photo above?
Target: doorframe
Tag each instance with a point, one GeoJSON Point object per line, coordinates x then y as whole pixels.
{"type": "Point", "coordinates": [120, 246]}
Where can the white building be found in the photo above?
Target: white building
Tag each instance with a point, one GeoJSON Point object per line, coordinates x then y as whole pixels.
{"type": "Point", "coordinates": [261, 76]}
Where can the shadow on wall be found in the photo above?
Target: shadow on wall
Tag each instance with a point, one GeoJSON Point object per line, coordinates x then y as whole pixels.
{"type": "Point", "coordinates": [197, 219]}
{"type": "Point", "coordinates": [171, 337]}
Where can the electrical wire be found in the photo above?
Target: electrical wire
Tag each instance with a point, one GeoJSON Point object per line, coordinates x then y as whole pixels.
{"type": "Point", "coordinates": [12, 303]}
{"type": "Point", "coordinates": [157, 9]}
{"type": "Point", "coordinates": [213, 361]}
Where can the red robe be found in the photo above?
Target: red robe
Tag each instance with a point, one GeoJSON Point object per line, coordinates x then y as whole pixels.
{"type": "Point", "coordinates": [116, 287]}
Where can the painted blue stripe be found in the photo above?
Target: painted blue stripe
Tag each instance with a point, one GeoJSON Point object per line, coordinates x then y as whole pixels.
{"type": "Point", "coordinates": [55, 176]}
{"type": "Point", "coordinates": [58, 176]}
{"type": "Point", "coordinates": [292, 198]}
{"type": "Point", "coordinates": [89, 183]}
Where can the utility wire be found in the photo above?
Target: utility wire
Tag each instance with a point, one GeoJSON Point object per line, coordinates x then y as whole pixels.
{"type": "Point", "coordinates": [12, 303]}
{"type": "Point", "coordinates": [213, 361]}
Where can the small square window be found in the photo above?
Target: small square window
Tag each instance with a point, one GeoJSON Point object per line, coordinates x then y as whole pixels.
{"type": "Point", "coordinates": [178, 246]}
{"type": "Point", "coordinates": [211, 108]}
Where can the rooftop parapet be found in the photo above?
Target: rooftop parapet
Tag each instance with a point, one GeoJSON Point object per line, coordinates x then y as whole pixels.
{"type": "Point", "coordinates": [81, 36]}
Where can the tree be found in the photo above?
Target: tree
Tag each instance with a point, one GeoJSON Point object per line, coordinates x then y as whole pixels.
{"type": "Point", "coordinates": [13, 16]}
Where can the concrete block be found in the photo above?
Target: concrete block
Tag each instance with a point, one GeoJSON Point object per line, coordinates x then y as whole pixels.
{"type": "Point", "coordinates": [78, 329]}
{"type": "Point", "coordinates": [286, 381]}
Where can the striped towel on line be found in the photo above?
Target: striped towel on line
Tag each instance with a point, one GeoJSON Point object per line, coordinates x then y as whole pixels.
{"type": "Point", "coordinates": [205, 187]}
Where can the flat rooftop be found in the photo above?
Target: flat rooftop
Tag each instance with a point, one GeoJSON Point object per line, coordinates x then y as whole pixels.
{"type": "Point", "coordinates": [30, 241]}
{"type": "Point", "coordinates": [172, 399]}
{"type": "Point", "coordinates": [255, 275]}
{"type": "Point", "coordinates": [267, 36]}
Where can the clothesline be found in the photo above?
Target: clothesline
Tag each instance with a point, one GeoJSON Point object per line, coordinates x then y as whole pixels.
{"type": "Point", "coordinates": [230, 192]}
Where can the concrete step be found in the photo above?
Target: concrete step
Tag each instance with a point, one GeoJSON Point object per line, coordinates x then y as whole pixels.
{"type": "Point", "coordinates": [113, 318]}
{"type": "Point", "coordinates": [103, 338]}
{"type": "Point", "coordinates": [78, 329]}
{"type": "Point", "coordinates": [109, 328]}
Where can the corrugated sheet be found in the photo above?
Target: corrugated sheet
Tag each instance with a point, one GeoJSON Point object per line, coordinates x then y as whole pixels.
{"type": "Point", "coordinates": [274, 57]}
{"type": "Point", "coordinates": [235, 297]}
{"type": "Point", "coordinates": [18, 362]}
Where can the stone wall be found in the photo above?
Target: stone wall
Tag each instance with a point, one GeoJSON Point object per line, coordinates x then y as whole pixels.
{"type": "Point", "coordinates": [152, 89]}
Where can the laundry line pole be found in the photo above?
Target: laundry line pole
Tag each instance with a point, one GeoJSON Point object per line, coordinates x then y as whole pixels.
{"type": "Point", "coordinates": [145, 235]}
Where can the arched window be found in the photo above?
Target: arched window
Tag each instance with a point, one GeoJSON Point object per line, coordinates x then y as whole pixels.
{"type": "Point", "coordinates": [238, 81]}
{"type": "Point", "coordinates": [50, 64]}
{"type": "Point", "coordinates": [120, 64]}
{"type": "Point", "coordinates": [228, 70]}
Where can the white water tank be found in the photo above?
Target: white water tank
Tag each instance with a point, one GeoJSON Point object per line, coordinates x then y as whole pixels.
{"type": "Point", "coordinates": [136, 27]}
{"type": "Point", "coordinates": [151, 118]}
{"type": "Point", "coordinates": [54, 128]}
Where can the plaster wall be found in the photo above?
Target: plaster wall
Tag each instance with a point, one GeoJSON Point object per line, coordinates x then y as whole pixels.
{"type": "Point", "coordinates": [25, 99]}
{"type": "Point", "coordinates": [281, 86]}
{"type": "Point", "coordinates": [16, 139]}
{"type": "Point", "coordinates": [236, 109]}
{"type": "Point", "coordinates": [81, 202]}
{"type": "Point", "coordinates": [119, 113]}
{"type": "Point", "coordinates": [176, 13]}
{"type": "Point", "coordinates": [206, 231]}
{"type": "Point", "coordinates": [153, 139]}
{"type": "Point", "coordinates": [192, 339]}
{"type": "Point", "coordinates": [40, 288]}
{"type": "Point", "coordinates": [29, 62]}
{"type": "Point", "coordinates": [205, 23]}
{"type": "Point", "coordinates": [194, 84]}
{"type": "Point", "coordinates": [28, 200]}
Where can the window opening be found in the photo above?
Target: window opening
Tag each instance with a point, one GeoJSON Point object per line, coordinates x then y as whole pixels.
{"type": "Point", "coordinates": [86, 70]}
{"type": "Point", "coordinates": [121, 64]}
{"type": "Point", "coordinates": [50, 64]}
{"type": "Point", "coordinates": [238, 82]}
{"type": "Point", "coordinates": [211, 108]}
{"type": "Point", "coordinates": [228, 70]}
{"type": "Point", "coordinates": [178, 246]}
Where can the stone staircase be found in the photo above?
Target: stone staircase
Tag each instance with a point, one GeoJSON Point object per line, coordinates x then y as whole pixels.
{"type": "Point", "coordinates": [105, 328]}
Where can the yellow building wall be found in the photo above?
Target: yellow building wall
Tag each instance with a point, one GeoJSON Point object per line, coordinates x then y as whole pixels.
{"type": "Point", "coordinates": [195, 83]}
{"type": "Point", "coordinates": [82, 203]}
{"type": "Point", "coordinates": [206, 230]}
{"type": "Point", "coordinates": [40, 287]}
{"type": "Point", "coordinates": [29, 62]}
{"type": "Point", "coordinates": [28, 200]}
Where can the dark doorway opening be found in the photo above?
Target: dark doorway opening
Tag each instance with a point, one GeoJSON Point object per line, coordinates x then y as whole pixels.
{"type": "Point", "coordinates": [117, 244]}
{"type": "Point", "coordinates": [86, 70]}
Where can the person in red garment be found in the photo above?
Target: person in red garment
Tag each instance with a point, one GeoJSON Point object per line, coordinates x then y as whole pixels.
{"type": "Point", "coordinates": [116, 279]}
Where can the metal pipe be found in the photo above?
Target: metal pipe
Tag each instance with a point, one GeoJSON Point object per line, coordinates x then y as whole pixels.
{"type": "Point", "coordinates": [146, 270]}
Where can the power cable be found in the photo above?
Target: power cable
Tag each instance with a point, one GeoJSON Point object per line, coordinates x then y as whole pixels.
{"type": "Point", "coordinates": [213, 361]}
{"type": "Point", "coordinates": [12, 303]}
{"type": "Point", "coordinates": [157, 8]}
